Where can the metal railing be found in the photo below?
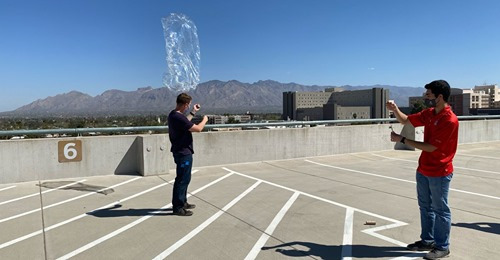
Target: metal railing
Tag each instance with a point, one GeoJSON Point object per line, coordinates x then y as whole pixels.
{"type": "Point", "coordinates": [81, 131]}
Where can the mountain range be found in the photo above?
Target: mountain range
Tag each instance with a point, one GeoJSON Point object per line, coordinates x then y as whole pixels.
{"type": "Point", "coordinates": [214, 96]}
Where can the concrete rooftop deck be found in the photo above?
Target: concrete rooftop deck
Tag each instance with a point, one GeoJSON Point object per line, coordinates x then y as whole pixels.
{"type": "Point", "coordinates": [310, 208]}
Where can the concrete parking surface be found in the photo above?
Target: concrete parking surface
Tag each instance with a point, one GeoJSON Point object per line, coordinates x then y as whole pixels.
{"type": "Point", "coordinates": [309, 208]}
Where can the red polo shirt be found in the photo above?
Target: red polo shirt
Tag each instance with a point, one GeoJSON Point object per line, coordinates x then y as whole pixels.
{"type": "Point", "coordinates": [441, 131]}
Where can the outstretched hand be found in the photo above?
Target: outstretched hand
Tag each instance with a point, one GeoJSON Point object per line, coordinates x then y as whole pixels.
{"type": "Point", "coordinates": [391, 106]}
{"type": "Point", "coordinates": [395, 137]}
{"type": "Point", "coordinates": [196, 108]}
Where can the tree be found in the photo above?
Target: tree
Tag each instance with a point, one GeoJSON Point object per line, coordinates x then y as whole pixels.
{"type": "Point", "coordinates": [418, 106]}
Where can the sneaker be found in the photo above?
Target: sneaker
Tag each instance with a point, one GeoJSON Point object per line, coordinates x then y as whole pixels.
{"type": "Point", "coordinates": [189, 206]}
{"type": "Point", "coordinates": [436, 254]}
{"type": "Point", "coordinates": [183, 212]}
{"type": "Point", "coordinates": [420, 246]}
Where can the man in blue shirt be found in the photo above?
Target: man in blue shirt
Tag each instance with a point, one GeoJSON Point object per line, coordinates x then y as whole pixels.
{"type": "Point", "coordinates": [179, 133]}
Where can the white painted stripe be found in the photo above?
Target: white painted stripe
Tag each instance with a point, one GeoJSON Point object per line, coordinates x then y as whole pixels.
{"type": "Point", "coordinates": [356, 171]}
{"type": "Point", "coordinates": [410, 256]}
{"type": "Point", "coordinates": [43, 192]}
{"type": "Point", "coordinates": [456, 167]}
{"type": "Point", "coordinates": [2, 189]}
{"type": "Point", "coordinates": [402, 180]}
{"type": "Point", "coordinates": [66, 201]}
{"type": "Point", "coordinates": [316, 197]}
{"type": "Point", "coordinates": [203, 225]}
{"type": "Point", "coordinates": [83, 215]}
{"type": "Point", "coordinates": [478, 156]}
{"type": "Point", "coordinates": [17, 240]}
{"type": "Point", "coordinates": [270, 229]}
{"type": "Point", "coordinates": [135, 223]}
{"type": "Point", "coordinates": [372, 232]}
{"type": "Point", "coordinates": [347, 240]}
{"type": "Point", "coordinates": [396, 223]}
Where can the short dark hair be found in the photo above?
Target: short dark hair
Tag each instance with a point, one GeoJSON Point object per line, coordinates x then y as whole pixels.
{"type": "Point", "coordinates": [183, 98]}
{"type": "Point", "coordinates": [440, 87]}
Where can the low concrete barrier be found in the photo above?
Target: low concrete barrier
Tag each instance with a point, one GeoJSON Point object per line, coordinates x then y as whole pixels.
{"type": "Point", "coordinates": [54, 158]}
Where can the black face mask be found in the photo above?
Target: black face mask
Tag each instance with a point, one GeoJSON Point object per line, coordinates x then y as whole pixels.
{"type": "Point", "coordinates": [430, 102]}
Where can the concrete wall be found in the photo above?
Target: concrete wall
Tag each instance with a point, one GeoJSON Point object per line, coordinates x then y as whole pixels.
{"type": "Point", "coordinates": [215, 148]}
{"type": "Point", "coordinates": [37, 159]}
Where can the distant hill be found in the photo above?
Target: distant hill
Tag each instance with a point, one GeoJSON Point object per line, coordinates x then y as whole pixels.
{"type": "Point", "coordinates": [214, 96]}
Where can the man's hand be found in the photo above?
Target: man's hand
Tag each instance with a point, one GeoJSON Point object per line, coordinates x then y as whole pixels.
{"type": "Point", "coordinates": [196, 108]}
{"type": "Point", "coordinates": [395, 137]}
{"type": "Point", "coordinates": [391, 106]}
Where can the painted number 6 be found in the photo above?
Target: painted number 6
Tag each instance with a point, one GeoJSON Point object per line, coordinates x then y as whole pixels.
{"type": "Point", "coordinates": [70, 152]}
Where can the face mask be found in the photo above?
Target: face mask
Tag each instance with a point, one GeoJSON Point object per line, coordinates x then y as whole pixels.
{"type": "Point", "coordinates": [430, 102]}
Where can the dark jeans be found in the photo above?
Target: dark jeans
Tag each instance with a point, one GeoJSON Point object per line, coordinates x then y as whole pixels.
{"type": "Point", "coordinates": [435, 215]}
{"type": "Point", "coordinates": [184, 164]}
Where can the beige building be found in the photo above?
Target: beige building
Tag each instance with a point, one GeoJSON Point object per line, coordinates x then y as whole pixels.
{"type": "Point", "coordinates": [335, 103]}
{"type": "Point", "coordinates": [480, 97]}
{"type": "Point", "coordinates": [463, 100]}
{"type": "Point", "coordinates": [493, 91]}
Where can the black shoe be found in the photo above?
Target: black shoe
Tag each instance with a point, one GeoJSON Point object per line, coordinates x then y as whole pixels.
{"type": "Point", "coordinates": [189, 206]}
{"type": "Point", "coordinates": [183, 212]}
{"type": "Point", "coordinates": [420, 246]}
{"type": "Point", "coordinates": [436, 254]}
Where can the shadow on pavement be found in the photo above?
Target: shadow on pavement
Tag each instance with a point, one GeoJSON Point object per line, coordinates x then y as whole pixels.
{"type": "Point", "coordinates": [112, 212]}
{"type": "Point", "coordinates": [493, 228]}
{"type": "Point", "coordinates": [76, 186]}
{"type": "Point", "coordinates": [301, 249]}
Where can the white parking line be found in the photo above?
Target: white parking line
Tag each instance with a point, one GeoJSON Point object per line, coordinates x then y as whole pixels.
{"type": "Point", "coordinates": [43, 192]}
{"type": "Point", "coordinates": [135, 223]}
{"type": "Point", "coordinates": [478, 156]}
{"type": "Point", "coordinates": [356, 171]}
{"type": "Point", "coordinates": [457, 167]}
{"type": "Point", "coordinates": [66, 201]}
{"type": "Point", "coordinates": [402, 180]}
{"type": "Point", "coordinates": [396, 223]}
{"type": "Point", "coordinates": [205, 224]}
{"type": "Point", "coordinates": [270, 229]}
{"type": "Point", "coordinates": [2, 189]}
{"type": "Point", "coordinates": [347, 240]}
{"type": "Point", "coordinates": [17, 240]}
{"type": "Point", "coordinates": [410, 256]}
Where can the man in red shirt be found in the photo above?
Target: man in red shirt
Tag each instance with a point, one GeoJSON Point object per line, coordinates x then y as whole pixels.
{"type": "Point", "coordinates": [435, 168]}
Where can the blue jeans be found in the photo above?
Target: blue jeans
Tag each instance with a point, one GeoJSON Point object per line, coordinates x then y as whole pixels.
{"type": "Point", "coordinates": [184, 164]}
{"type": "Point", "coordinates": [435, 215]}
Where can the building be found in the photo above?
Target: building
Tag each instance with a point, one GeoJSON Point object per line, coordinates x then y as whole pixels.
{"type": "Point", "coordinates": [335, 103]}
{"type": "Point", "coordinates": [493, 91]}
{"type": "Point", "coordinates": [222, 119]}
{"type": "Point", "coordinates": [463, 101]}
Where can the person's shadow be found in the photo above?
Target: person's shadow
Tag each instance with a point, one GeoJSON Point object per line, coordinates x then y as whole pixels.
{"type": "Point", "coordinates": [493, 228]}
{"type": "Point", "coordinates": [113, 211]}
{"type": "Point", "coordinates": [292, 249]}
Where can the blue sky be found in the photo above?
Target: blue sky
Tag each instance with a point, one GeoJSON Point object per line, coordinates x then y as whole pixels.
{"type": "Point", "coordinates": [52, 47]}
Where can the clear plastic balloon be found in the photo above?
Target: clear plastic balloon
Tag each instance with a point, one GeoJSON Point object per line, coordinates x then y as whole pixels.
{"type": "Point", "coordinates": [183, 53]}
